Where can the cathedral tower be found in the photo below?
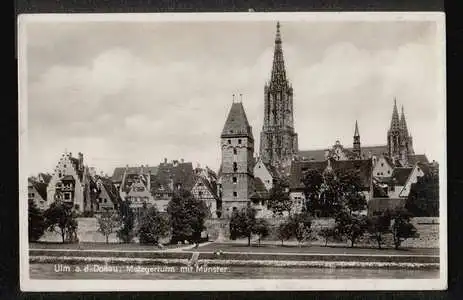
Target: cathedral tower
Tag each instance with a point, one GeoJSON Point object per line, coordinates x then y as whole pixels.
{"type": "Point", "coordinates": [356, 145]}
{"type": "Point", "coordinates": [399, 142]}
{"type": "Point", "coordinates": [278, 140]}
{"type": "Point", "coordinates": [237, 144]}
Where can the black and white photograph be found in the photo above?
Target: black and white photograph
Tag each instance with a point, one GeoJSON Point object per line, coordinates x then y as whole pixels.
{"type": "Point", "coordinates": [232, 151]}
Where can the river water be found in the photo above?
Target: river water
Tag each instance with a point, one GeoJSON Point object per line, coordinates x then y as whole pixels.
{"type": "Point", "coordinates": [51, 271]}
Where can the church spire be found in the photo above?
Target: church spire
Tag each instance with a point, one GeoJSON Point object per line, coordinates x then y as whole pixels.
{"type": "Point", "coordinates": [356, 133]}
{"type": "Point", "coordinates": [278, 77]}
{"type": "Point", "coordinates": [356, 145]}
{"type": "Point", "coordinates": [403, 123]}
{"type": "Point", "coordinates": [395, 123]}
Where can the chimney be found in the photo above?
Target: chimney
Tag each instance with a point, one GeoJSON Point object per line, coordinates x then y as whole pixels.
{"type": "Point", "coordinates": [165, 160]}
{"type": "Point", "coordinates": [182, 160]}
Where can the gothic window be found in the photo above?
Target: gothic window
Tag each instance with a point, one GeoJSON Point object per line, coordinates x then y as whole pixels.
{"type": "Point", "coordinates": [235, 167]}
{"type": "Point", "coordinates": [234, 151]}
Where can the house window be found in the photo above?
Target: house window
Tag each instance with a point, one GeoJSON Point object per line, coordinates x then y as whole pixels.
{"type": "Point", "coordinates": [239, 141]}
{"type": "Point", "coordinates": [64, 165]}
{"type": "Point", "coordinates": [388, 172]}
{"type": "Point", "coordinates": [200, 193]}
{"type": "Point", "coordinates": [382, 164]}
{"type": "Point", "coordinates": [105, 200]}
{"type": "Point", "coordinates": [234, 151]}
{"type": "Point", "coordinates": [229, 142]}
{"type": "Point", "coordinates": [234, 179]}
{"type": "Point", "coordinates": [99, 200]}
{"type": "Point", "coordinates": [67, 196]}
{"type": "Point", "coordinates": [235, 194]}
{"type": "Point", "coordinates": [377, 173]}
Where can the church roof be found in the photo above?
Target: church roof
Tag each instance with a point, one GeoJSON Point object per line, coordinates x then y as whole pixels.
{"type": "Point", "coordinates": [319, 154]}
{"type": "Point", "coordinates": [299, 167]}
{"type": "Point", "coordinates": [237, 123]}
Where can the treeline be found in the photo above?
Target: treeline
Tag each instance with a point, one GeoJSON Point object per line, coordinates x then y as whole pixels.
{"type": "Point", "coordinates": [183, 221]}
{"type": "Point", "coordinates": [336, 194]}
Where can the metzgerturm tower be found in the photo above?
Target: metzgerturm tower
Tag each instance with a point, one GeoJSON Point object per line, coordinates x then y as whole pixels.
{"type": "Point", "coordinates": [278, 140]}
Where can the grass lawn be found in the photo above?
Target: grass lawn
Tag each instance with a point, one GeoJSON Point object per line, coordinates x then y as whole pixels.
{"type": "Point", "coordinates": [272, 248]}
{"type": "Point", "coordinates": [98, 246]}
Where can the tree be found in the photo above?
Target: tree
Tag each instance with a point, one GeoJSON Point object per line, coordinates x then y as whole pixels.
{"type": "Point", "coordinates": [127, 218]}
{"type": "Point", "coordinates": [243, 223]}
{"type": "Point", "coordinates": [187, 217]}
{"type": "Point", "coordinates": [62, 216]}
{"type": "Point", "coordinates": [153, 226]}
{"type": "Point", "coordinates": [36, 223]}
{"type": "Point", "coordinates": [108, 222]}
{"type": "Point", "coordinates": [377, 227]}
{"type": "Point", "coordinates": [312, 180]}
{"type": "Point", "coordinates": [350, 226]}
{"type": "Point", "coordinates": [423, 200]}
{"type": "Point", "coordinates": [284, 232]}
{"type": "Point", "coordinates": [300, 224]}
{"type": "Point", "coordinates": [401, 227]}
{"type": "Point", "coordinates": [261, 228]}
{"type": "Point", "coordinates": [327, 233]}
{"type": "Point", "coordinates": [279, 200]}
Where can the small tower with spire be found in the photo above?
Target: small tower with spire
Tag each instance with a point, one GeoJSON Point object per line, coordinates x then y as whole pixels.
{"type": "Point", "coordinates": [356, 145]}
{"type": "Point", "coordinates": [278, 139]}
{"type": "Point", "coordinates": [237, 146]}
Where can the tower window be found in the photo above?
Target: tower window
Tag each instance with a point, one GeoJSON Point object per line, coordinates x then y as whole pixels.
{"type": "Point", "coordinates": [234, 151]}
{"type": "Point", "coordinates": [239, 141]}
{"type": "Point", "coordinates": [234, 180]}
{"type": "Point", "coordinates": [235, 194]}
{"type": "Point", "coordinates": [229, 142]}
{"type": "Point", "coordinates": [235, 167]}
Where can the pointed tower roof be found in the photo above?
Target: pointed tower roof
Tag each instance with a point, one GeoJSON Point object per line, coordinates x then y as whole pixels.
{"type": "Point", "coordinates": [237, 123]}
{"type": "Point", "coordinates": [403, 123]}
{"type": "Point", "coordinates": [278, 77]}
{"type": "Point", "coordinates": [395, 123]}
{"type": "Point", "coordinates": [356, 133]}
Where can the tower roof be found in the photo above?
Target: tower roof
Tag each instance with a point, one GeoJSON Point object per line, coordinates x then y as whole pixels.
{"type": "Point", "coordinates": [356, 133]}
{"type": "Point", "coordinates": [237, 123]}
{"type": "Point", "coordinates": [403, 123]}
{"type": "Point", "coordinates": [278, 77]}
{"type": "Point", "coordinates": [395, 123]}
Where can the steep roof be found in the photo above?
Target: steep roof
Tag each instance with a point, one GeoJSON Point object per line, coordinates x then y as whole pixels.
{"type": "Point", "coordinates": [40, 187]}
{"type": "Point", "coordinates": [46, 177]}
{"type": "Point", "coordinates": [260, 192]}
{"type": "Point", "coordinates": [400, 175]}
{"type": "Point", "coordinates": [237, 123]}
{"type": "Point", "coordinates": [211, 186]}
{"type": "Point", "coordinates": [110, 189]}
{"type": "Point", "coordinates": [118, 173]}
{"type": "Point", "coordinates": [364, 166]}
{"type": "Point", "coordinates": [180, 174]}
{"type": "Point", "coordinates": [299, 167]}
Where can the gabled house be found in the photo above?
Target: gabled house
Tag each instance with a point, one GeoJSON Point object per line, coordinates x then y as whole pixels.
{"type": "Point", "coordinates": [419, 170]}
{"type": "Point", "coordinates": [67, 182]}
{"type": "Point", "coordinates": [383, 167]}
{"type": "Point", "coordinates": [37, 192]}
{"type": "Point", "coordinates": [267, 173]}
{"type": "Point", "coordinates": [107, 197]}
{"type": "Point", "coordinates": [206, 191]}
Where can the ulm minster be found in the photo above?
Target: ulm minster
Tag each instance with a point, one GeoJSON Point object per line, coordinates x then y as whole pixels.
{"type": "Point", "coordinates": [267, 199]}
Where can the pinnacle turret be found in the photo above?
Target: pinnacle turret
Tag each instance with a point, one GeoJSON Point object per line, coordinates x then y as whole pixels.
{"type": "Point", "coordinates": [395, 122]}
{"type": "Point", "coordinates": [403, 123]}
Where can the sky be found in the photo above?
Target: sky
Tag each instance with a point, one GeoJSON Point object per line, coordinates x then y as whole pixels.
{"type": "Point", "coordinates": [136, 93]}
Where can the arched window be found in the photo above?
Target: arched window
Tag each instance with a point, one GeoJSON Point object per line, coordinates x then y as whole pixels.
{"type": "Point", "coordinates": [235, 166]}
{"type": "Point", "coordinates": [234, 151]}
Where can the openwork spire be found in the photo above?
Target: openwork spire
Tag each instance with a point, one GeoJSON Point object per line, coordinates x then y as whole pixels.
{"type": "Point", "coordinates": [403, 123]}
{"type": "Point", "coordinates": [395, 122]}
{"type": "Point", "coordinates": [356, 133]}
{"type": "Point", "coordinates": [278, 77]}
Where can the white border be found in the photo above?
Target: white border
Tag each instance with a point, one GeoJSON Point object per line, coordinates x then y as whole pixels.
{"type": "Point", "coordinates": [27, 284]}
